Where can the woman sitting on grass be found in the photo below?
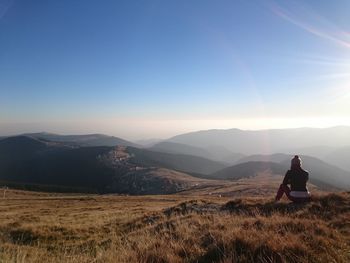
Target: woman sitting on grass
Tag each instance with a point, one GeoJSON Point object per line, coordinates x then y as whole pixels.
{"type": "Point", "coordinates": [297, 178]}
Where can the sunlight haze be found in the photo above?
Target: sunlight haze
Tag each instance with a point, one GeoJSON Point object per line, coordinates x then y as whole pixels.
{"type": "Point", "coordinates": [150, 69]}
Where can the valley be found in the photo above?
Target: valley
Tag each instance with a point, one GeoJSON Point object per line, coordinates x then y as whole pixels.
{"type": "Point", "coordinates": [69, 163]}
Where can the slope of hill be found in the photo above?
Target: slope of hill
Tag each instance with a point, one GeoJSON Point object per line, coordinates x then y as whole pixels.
{"type": "Point", "coordinates": [248, 169]}
{"type": "Point", "coordinates": [215, 153]}
{"type": "Point", "coordinates": [276, 158]}
{"type": "Point", "coordinates": [180, 162]}
{"type": "Point", "coordinates": [222, 154]}
{"type": "Point", "coordinates": [153, 180]}
{"type": "Point", "coordinates": [148, 143]}
{"type": "Point", "coordinates": [103, 169]}
{"type": "Point", "coordinates": [266, 141]}
{"type": "Point", "coordinates": [27, 160]}
{"type": "Point", "coordinates": [324, 172]}
{"type": "Point", "coordinates": [178, 148]}
{"type": "Point", "coordinates": [321, 173]}
{"type": "Point", "coordinates": [20, 145]}
{"type": "Point", "coordinates": [339, 157]}
{"type": "Point", "coordinates": [318, 151]}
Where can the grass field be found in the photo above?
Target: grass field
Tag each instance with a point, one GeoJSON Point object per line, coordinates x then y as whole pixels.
{"type": "Point", "coordinates": [41, 227]}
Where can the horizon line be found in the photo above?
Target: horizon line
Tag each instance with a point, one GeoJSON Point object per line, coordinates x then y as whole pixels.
{"type": "Point", "coordinates": [203, 130]}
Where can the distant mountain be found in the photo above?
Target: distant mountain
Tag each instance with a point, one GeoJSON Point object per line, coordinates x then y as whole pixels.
{"type": "Point", "coordinates": [147, 143]}
{"type": "Point", "coordinates": [216, 153]}
{"type": "Point", "coordinates": [324, 172]}
{"type": "Point", "coordinates": [179, 162]}
{"type": "Point", "coordinates": [248, 169]}
{"type": "Point", "coordinates": [83, 140]}
{"type": "Point", "coordinates": [179, 148]}
{"type": "Point", "coordinates": [317, 151]}
{"type": "Point", "coordinates": [222, 154]}
{"type": "Point", "coordinates": [321, 173]}
{"type": "Point", "coordinates": [266, 141]}
{"type": "Point", "coordinates": [275, 158]}
{"type": "Point", "coordinates": [47, 165]}
{"type": "Point", "coordinates": [339, 157]}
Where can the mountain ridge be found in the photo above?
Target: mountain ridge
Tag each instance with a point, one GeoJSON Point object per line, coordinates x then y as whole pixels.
{"type": "Point", "coordinates": [94, 139]}
{"type": "Point", "coordinates": [266, 141]}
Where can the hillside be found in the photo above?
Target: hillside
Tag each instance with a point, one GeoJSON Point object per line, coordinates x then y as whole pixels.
{"type": "Point", "coordinates": [215, 153]}
{"type": "Point", "coordinates": [180, 162]}
{"type": "Point", "coordinates": [276, 158]}
{"type": "Point", "coordinates": [324, 172]}
{"type": "Point", "coordinates": [41, 227]}
{"type": "Point", "coordinates": [51, 164]}
{"type": "Point", "coordinates": [29, 161]}
{"type": "Point", "coordinates": [221, 153]}
{"type": "Point", "coordinates": [152, 181]}
{"type": "Point", "coordinates": [320, 172]}
{"type": "Point", "coordinates": [339, 157]}
{"type": "Point", "coordinates": [248, 169]}
{"type": "Point", "coordinates": [178, 148]}
{"type": "Point", "coordinates": [20, 146]}
{"type": "Point", "coordinates": [266, 141]}
{"type": "Point", "coordinates": [318, 151]}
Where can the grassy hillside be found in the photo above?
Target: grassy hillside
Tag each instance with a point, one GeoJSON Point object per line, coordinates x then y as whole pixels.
{"type": "Point", "coordinates": [38, 227]}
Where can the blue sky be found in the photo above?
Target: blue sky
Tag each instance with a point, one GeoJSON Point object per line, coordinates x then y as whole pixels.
{"type": "Point", "coordinates": [140, 69]}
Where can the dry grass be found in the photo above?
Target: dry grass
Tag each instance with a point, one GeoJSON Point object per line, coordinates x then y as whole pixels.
{"type": "Point", "coordinates": [38, 227]}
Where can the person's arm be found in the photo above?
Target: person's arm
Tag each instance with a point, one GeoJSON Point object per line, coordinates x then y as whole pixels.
{"type": "Point", "coordinates": [286, 179]}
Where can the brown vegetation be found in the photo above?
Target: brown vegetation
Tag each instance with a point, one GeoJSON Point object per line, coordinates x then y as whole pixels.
{"type": "Point", "coordinates": [39, 227]}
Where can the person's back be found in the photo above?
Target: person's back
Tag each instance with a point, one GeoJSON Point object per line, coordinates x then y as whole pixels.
{"type": "Point", "coordinates": [297, 177]}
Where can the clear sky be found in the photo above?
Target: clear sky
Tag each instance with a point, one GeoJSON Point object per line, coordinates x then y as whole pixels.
{"type": "Point", "coordinates": [153, 69]}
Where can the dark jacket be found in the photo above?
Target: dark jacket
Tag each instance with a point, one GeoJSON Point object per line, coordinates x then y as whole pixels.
{"type": "Point", "coordinates": [297, 178]}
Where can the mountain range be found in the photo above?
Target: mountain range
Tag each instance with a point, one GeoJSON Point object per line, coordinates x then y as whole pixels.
{"type": "Point", "coordinates": [81, 140]}
{"type": "Point", "coordinates": [108, 164]}
{"type": "Point", "coordinates": [102, 169]}
{"type": "Point", "coordinates": [332, 145]}
{"type": "Point", "coordinates": [267, 141]}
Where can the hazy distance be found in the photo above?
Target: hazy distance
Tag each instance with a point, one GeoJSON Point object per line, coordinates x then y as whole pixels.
{"type": "Point", "coordinates": [155, 69]}
{"type": "Point", "coordinates": [135, 130]}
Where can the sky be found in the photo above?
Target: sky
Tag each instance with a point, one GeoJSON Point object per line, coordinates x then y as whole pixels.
{"type": "Point", "coordinates": [154, 69]}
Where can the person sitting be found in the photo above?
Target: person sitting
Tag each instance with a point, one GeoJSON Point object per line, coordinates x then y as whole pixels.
{"type": "Point", "coordinates": [297, 177]}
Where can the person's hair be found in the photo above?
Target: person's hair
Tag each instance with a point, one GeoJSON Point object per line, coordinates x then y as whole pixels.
{"type": "Point", "coordinates": [295, 163]}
